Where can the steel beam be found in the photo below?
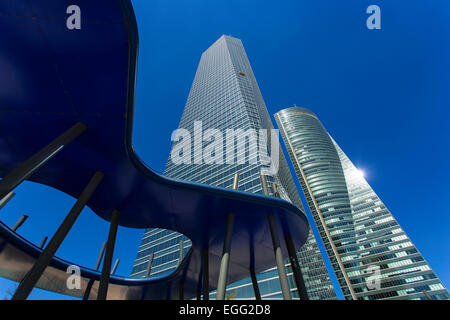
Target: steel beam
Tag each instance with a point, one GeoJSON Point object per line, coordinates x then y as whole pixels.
{"type": "Point", "coordinates": [19, 222]}
{"type": "Point", "coordinates": [279, 258]}
{"type": "Point", "coordinates": [114, 268]}
{"type": "Point", "coordinates": [87, 292]}
{"type": "Point", "coordinates": [276, 245]}
{"type": "Point", "coordinates": [224, 264]}
{"type": "Point", "coordinates": [32, 277]}
{"type": "Point", "coordinates": [264, 187]}
{"type": "Point", "coordinates": [180, 257]}
{"type": "Point", "coordinates": [298, 276]}
{"type": "Point", "coordinates": [255, 284]}
{"type": "Point", "coordinates": [43, 242]}
{"type": "Point", "coordinates": [106, 268]}
{"type": "Point", "coordinates": [236, 181]}
{"type": "Point", "coordinates": [4, 201]}
{"type": "Point", "coordinates": [275, 190]}
{"type": "Point", "coordinates": [28, 167]}
{"type": "Point", "coordinates": [149, 265]}
{"type": "Point", "coordinates": [100, 256]}
{"type": "Point", "coordinates": [223, 271]}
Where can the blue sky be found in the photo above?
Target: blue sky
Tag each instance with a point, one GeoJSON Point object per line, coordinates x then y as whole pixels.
{"type": "Point", "coordinates": [382, 94]}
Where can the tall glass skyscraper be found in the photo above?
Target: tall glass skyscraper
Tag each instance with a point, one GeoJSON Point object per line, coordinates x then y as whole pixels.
{"type": "Point", "coordinates": [371, 255]}
{"type": "Point", "coordinates": [224, 96]}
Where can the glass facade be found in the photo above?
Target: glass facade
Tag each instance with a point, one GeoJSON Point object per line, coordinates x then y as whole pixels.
{"type": "Point", "coordinates": [371, 255]}
{"type": "Point", "coordinates": [223, 96]}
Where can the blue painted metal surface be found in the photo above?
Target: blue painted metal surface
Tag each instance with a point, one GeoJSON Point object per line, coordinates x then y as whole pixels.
{"type": "Point", "coordinates": [52, 77]}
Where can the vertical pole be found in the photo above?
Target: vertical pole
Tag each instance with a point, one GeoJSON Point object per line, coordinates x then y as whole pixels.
{"type": "Point", "coordinates": [180, 258]}
{"type": "Point", "coordinates": [276, 246]}
{"type": "Point", "coordinates": [149, 265]}
{"type": "Point", "coordinates": [275, 190]}
{"type": "Point", "coordinates": [106, 269]}
{"type": "Point", "coordinates": [100, 256]}
{"type": "Point", "coordinates": [6, 199]}
{"type": "Point", "coordinates": [223, 272]}
{"type": "Point", "coordinates": [264, 187]}
{"type": "Point", "coordinates": [19, 222]}
{"type": "Point", "coordinates": [298, 276]}
{"type": "Point", "coordinates": [27, 168]}
{"type": "Point", "coordinates": [43, 241]}
{"type": "Point", "coordinates": [255, 284]}
{"type": "Point", "coordinates": [265, 191]}
{"type": "Point", "coordinates": [427, 295]}
{"type": "Point", "coordinates": [114, 268]}
{"type": "Point", "coordinates": [224, 264]}
{"type": "Point", "coordinates": [279, 258]}
{"type": "Point", "coordinates": [205, 273]}
{"type": "Point", "coordinates": [27, 284]}
{"type": "Point", "coordinates": [87, 292]}
{"type": "Point", "coordinates": [236, 181]}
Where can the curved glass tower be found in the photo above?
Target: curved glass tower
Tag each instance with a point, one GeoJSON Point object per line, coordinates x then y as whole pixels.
{"type": "Point", "coordinates": [371, 255]}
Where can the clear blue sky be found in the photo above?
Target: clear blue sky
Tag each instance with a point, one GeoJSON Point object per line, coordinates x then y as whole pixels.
{"type": "Point", "coordinates": [382, 94]}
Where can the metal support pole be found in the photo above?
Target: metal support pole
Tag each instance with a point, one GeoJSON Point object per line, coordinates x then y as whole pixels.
{"type": "Point", "coordinates": [427, 295]}
{"type": "Point", "coordinates": [149, 265]}
{"type": "Point", "coordinates": [6, 199]}
{"type": "Point", "coordinates": [223, 272]}
{"type": "Point", "coordinates": [276, 246]}
{"type": "Point", "coordinates": [180, 258]}
{"type": "Point", "coordinates": [114, 268]}
{"type": "Point", "coordinates": [100, 256]}
{"type": "Point", "coordinates": [275, 190]}
{"type": "Point", "coordinates": [87, 292]}
{"type": "Point", "coordinates": [106, 270]}
{"type": "Point", "coordinates": [264, 187]}
{"type": "Point", "coordinates": [38, 269]}
{"type": "Point", "coordinates": [19, 222]}
{"type": "Point", "coordinates": [205, 273]}
{"type": "Point", "coordinates": [298, 276]}
{"type": "Point", "coordinates": [27, 168]}
{"type": "Point", "coordinates": [255, 284]}
{"type": "Point", "coordinates": [236, 181]}
{"type": "Point", "coordinates": [279, 258]}
{"type": "Point", "coordinates": [43, 242]}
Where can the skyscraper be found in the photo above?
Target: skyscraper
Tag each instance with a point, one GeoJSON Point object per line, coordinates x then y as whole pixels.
{"type": "Point", "coordinates": [224, 96]}
{"type": "Point", "coordinates": [371, 255]}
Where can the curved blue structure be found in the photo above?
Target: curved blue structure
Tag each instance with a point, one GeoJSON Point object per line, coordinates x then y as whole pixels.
{"type": "Point", "coordinates": [53, 77]}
